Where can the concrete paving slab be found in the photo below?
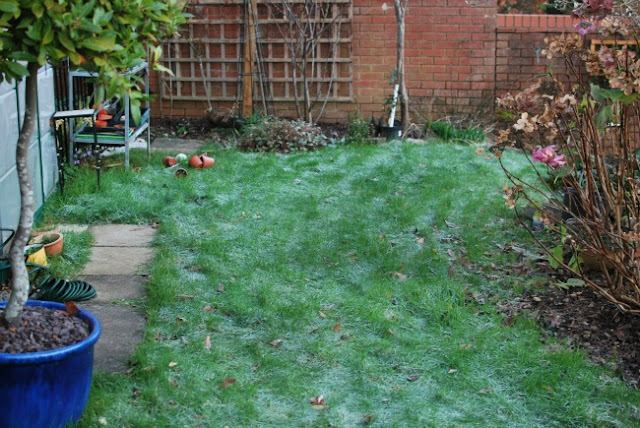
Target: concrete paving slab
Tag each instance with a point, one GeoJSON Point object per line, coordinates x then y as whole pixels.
{"type": "Point", "coordinates": [118, 260]}
{"type": "Point", "coordinates": [122, 330]}
{"type": "Point", "coordinates": [122, 235]}
{"type": "Point", "coordinates": [176, 145]}
{"type": "Point", "coordinates": [116, 287]}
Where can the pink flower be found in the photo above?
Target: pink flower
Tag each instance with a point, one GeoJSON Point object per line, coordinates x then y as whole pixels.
{"type": "Point", "coordinates": [549, 156]}
{"type": "Point", "coordinates": [584, 27]}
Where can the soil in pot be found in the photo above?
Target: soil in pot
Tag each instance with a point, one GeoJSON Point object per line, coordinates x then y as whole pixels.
{"type": "Point", "coordinates": [42, 329]}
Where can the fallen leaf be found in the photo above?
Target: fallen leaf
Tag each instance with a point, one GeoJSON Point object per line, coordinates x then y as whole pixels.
{"type": "Point", "coordinates": [367, 419]}
{"type": "Point", "coordinates": [255, 368]}
{"type": "Point", "coordinates": [276, 342]}
{"type": "Point", "coordinates": [158, 335]}
{"type": "Point", "coordinates": [173, 364]}
{"type": "Point", "coordinates": [207, 343]}
{"type": "Point", "coordinates": [336, 328]}
{"type": "Point", "coordinates": [399, 275]}
{"type": "Point", "coordinates": [420, 240]}
{"type": "Point", "coordinates": [102, 420]}
{"type": "Point", "coordinates": [314, 329]}
{"type": "Point", "coordinates": [173, 383]}
{"type": "Point", "coordinates": [208, 308]}
{"type": "Point", "coordinates": [452, 255]}
{"type": "Point", "coordinates": [413, 377]}
{"type": "Point", "coordinates": [485, 390]}
{"type": "Point", "coordinates": [221, 288]}
{"type": "Point", "coordinates": [450, 224]}
{"type": "Point", "coordinates": [451, 271]}
{"type": "Point", "coordinates": [297, 181]}
{"type": "Point", "coordinates": [185, 296]}
{"type": "Point", "coordinates": [452, 371]}
{"type": "Point", "coordinates": [318, 402]}
{"type": "Point", "coordinates": [155, 225]}
{"type": "Point", "coordinates": [227, 382]}
{"type": "Point", "coordinates": [549, 389]}
{"type": "Point", "coordinates": [72, 309]}
{"type": "Point", "coordinates": [181, 319]}
{"type": "Point", "coordinates": [321, 314]}
{"type": "Point", "coordinates": [480, 151]}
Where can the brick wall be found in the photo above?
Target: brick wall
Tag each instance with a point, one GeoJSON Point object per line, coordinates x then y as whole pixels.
{"type": "Point", "coordinates": [519, 42]}
{"type": "Point", "coordinates": [450, 61]}
{"type": "Point", "coordinates": [458, 57]}
{"type": "Point", "coordinates": [450, 51]}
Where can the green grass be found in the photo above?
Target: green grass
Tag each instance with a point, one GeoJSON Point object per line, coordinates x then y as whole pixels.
{"type": "Point", "coordinates": [305, 242]}
{"type": "Point", "coordinates": [76, 254]}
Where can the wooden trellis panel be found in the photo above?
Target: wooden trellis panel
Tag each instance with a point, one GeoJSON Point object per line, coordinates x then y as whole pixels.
{"type": "Point", "coordinates": [207, 60]}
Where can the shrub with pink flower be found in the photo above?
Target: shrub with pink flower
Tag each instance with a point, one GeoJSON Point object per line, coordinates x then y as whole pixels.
{"type": "Point", "coordinates": [549, 156]}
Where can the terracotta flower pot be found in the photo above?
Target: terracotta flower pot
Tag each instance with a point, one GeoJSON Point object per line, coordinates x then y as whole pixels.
{"type": "Point", "coordinates": [207, 161]}
{"type": "Point", "coordinates": [55, 244]}
{"type": "Point", "coordinates": [195, 162]}
{"type": "Point", "coordinates": [169, 161]}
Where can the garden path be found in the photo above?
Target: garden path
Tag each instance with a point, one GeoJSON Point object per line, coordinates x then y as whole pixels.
{"type": "Point", "coordinates": [119, 257]}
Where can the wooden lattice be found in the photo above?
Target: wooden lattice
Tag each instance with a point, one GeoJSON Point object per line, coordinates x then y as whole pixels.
{"type": "Point", "coordinates": [207, 60]}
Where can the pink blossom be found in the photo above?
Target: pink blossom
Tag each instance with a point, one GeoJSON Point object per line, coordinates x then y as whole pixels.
{"type": "Point", "coordinates": [549, 156]}
{"type": "Point", "coordinates": [584, 27]}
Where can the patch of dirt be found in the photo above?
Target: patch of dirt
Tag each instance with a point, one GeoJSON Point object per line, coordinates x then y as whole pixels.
{"type": "Point", "coordinates": [191, 128]}
{"type": "Point", "coordinates": [205, 129]}
{"type": "Point", "coordinates": [42, 329]}
{"type": "Point", "coordinates": [588, 322]}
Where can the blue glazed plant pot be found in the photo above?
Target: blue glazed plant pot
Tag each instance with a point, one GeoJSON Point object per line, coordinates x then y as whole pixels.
{"type": "Point", "coordinates": [49, 388]}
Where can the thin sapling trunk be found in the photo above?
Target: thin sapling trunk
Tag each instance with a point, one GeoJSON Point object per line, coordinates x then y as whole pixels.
{"type": "Point", "coordinates": [401, 9]}
{"type": "Point", "coordinates": [20, 281]}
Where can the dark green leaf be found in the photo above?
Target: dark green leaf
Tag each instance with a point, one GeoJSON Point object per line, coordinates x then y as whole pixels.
{"type": "Point", "coordinates": [17, 69]}
{"type": "Point", "coordinates": [10, 6]}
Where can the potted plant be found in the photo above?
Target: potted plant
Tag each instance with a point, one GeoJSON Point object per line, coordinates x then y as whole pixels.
{"type": "Point", "coordinates": [52, 242]}
{"type": "Point", "coordinates": [104, 37]}
{"type": "Point", "coordinates": [393, 129]}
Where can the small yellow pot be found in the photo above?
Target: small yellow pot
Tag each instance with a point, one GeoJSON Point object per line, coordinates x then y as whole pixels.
{"type": "Point", "coordinates": [38, 257]}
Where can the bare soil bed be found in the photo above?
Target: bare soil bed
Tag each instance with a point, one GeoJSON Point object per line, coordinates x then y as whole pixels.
{"type": "Point", "coordinates": [205, 129]}
{"type": "Point", "coordinates": [587, 322]}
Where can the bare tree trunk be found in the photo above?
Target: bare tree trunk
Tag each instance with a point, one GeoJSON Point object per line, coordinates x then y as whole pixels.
{"type": "Point", "coordinates": [401, 8]}
{"type": "Point", "coordinates": [20, 281]}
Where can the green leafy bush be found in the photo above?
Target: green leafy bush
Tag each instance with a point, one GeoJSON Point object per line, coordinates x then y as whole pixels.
{"type": "Point", "coordinates": [449, 132]}
{"type": "Point", "coordinates": [278, 135]}
{"type": "Point", "coordinates": [358, 130]}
